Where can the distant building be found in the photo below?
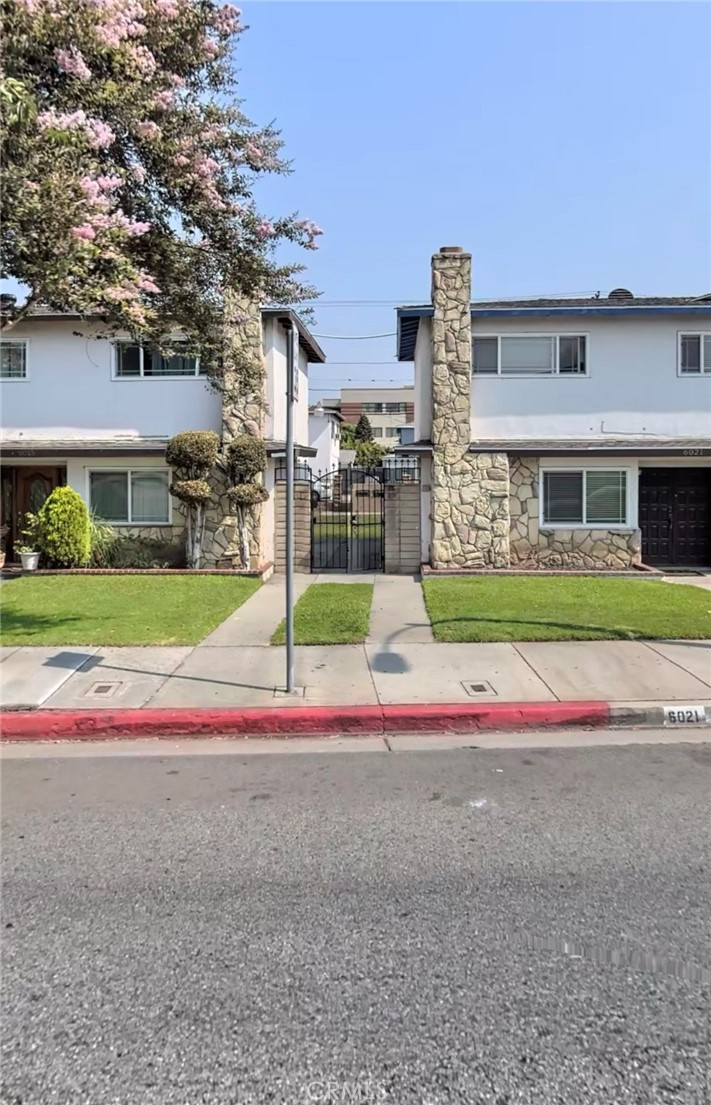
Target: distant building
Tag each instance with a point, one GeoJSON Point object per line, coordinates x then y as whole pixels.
{"type": "Point", "coordinates": [387, 409]}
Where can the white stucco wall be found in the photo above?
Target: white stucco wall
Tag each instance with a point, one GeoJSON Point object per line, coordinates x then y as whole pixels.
{"type": "Point", "coordinates": [423, 381]}
{"type": "Point", "coordinates": [324, 436]}
{"type": "Point", "coordinates": [275, 359]}
{"type": "Point", "coordinates": [70, 392]}
{"type": "Point", "coordinates": [631, 386]}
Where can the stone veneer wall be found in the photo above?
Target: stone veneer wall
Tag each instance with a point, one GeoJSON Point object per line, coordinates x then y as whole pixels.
{"type": "Point", "coordinates": [241, 413]}
{"type": "Point", "coordinates": [469, 505]}
{"type": "Point", "coordinates": [536, 547]}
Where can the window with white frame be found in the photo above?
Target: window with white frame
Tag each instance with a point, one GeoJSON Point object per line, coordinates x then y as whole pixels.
{"type": "Point", "coordinates": [395, 408]}
{"type": "Point", "coordinates": [592, 497]}
{"type": "Point", "coordinates": [694, 354]}
{"type": "Point", "coordinates": [529, 355]}
{"type": "Point", "coordinates": [133, 361]}
{"type": "Point", "coordinates": [372, 408]}
{"type": "Point", "coordinates": [13, 359]}
{"type": "Point", "coordinates": [135, 496]}
{"type": "Point", "coordinates": [391, 431]}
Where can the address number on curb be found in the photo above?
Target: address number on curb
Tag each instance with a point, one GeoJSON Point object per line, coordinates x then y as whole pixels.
{"type": "Point", "coordinates": [684, 715]}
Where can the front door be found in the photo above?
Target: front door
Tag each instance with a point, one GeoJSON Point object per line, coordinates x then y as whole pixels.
{"type": "Point", "coordinates": [30, 487]}
{"type": "Point", "coordinates": [675, 516]}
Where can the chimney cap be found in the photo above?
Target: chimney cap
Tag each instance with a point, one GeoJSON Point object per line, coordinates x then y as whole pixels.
{"type": "Point", "coordinates": [451, 249]}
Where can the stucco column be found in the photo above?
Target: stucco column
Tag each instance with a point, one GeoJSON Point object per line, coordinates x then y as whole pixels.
{"type": "Point", "coordinates": [470, 509]}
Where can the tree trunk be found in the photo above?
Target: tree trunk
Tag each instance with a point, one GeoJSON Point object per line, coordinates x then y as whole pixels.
{"type": "Point", "coordinates": [199, 533]}
{"type": "Point", "coordinates": [243, 538]}
{"type": "Point", "coordinates": [189, 535]}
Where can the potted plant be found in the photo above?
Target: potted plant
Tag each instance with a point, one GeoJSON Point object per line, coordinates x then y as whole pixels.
{"type": "Point", "coordinates": [29, 551]}
{"type": "Point", "coordinates": [29, 557]}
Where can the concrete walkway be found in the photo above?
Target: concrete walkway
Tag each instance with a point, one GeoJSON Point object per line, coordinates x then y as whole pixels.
{"type": "Point", "coordinates": [387, 672]}
{"type": "Point", "coordinates": [398, 615]}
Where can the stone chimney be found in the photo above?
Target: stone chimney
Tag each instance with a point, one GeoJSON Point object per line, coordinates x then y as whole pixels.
{"type": "Point", "coordinates": [470, 492]}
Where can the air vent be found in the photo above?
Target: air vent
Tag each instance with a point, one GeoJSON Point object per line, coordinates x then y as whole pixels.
{"type": "Point", "coordinates": [621, 295]}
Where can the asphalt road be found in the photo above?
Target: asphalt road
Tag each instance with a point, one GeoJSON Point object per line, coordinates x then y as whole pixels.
{"type": "Point", "coordinates": [464, 926]}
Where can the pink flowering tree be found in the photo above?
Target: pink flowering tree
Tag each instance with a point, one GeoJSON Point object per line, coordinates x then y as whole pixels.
{"type": "Point", "coordinates": [129, 169]}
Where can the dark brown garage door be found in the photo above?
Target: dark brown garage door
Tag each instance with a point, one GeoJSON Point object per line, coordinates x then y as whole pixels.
{"type": "Point", "coordinates": [675, 516]}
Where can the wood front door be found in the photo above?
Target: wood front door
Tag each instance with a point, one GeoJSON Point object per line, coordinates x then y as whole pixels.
{"type": "Point", "coordinates": [675, 516]}
{"type": "Point", "coordinates": [31, 488]}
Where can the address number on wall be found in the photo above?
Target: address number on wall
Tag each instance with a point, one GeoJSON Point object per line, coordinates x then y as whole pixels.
{"type": "Point", "coordinates": [684, 715]}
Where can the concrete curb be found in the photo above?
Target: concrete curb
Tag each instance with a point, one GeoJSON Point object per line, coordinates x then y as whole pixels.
{"type": "Point", "coordinates": [322, 721]}
{"type": "Point", "coordinates": [58, 725]}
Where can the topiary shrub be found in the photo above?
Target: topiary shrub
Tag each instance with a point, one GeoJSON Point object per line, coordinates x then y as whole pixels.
{"type": "Point", "coordinates": [246, 460]}
{"type": "Point", "coordinates": [63, 529]}
{"type": "Point", "coordinates": [192, 455]}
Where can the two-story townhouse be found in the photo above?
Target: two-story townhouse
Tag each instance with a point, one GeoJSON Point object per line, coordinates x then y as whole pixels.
{"type": "Point", "coordinates": [96, 413]}
{"type": "Point", "coordinates": [560, 433]}
{"type": "Point", "coordinates": [325, 438]}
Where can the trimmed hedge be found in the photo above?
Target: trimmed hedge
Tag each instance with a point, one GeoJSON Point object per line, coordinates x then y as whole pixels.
{"type": "Point", "coordinates": [64, 529]}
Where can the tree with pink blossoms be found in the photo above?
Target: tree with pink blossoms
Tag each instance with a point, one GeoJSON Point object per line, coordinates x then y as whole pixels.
{"type": "Point", "coordinates": [129, 169]}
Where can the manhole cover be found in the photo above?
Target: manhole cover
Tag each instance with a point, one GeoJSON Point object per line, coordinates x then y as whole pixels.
{"type": "Point", "coordinates": [102, 690]}
{"type": "Point", "coordinates": [478, 687]}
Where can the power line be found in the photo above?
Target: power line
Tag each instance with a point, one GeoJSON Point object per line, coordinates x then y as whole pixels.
{"type": "Point", "coordinates": [354, 337]}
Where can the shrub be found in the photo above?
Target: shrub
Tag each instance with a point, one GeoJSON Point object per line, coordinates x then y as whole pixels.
{"type": "Point", "coordinates": [246, 460]}
{"type": "Point", "coordinates": [193, 452]}
{"type": "Point", "coordinates": [193, 455]}
{"type": "Point", "coordinates": [103, 539]}
{"type": "Point", "coordinates": [64, 534]}
{"type": "Point", "coordinates": [247, 457]}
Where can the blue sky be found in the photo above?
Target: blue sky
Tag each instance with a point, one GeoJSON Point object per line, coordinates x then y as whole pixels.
{"type": "Point", "coordinates": [566, 145]}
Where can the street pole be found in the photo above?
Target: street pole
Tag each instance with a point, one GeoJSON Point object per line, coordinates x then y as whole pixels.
{"type": "Point", "coordinates": [292, 362]}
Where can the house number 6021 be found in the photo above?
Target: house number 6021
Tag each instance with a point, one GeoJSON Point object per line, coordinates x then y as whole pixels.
{"type": "Point", "coordinates": [693, 452]}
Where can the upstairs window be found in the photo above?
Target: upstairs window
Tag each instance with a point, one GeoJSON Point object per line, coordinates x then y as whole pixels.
{"type": "Point", "coordinates": [586, 497]}
{"type": "Point", "coordinates": [395, 408]}
{"type": "Point", "coordinates": [133, 361]}
{"type": "Point", "coordinates": [13, 359]}
{"type": "Point", "coordinates": [372, 408]}
{"type": "Point", "coordinates": [530, 355]}
{"type": "Point", "coordinates": [694, 354]}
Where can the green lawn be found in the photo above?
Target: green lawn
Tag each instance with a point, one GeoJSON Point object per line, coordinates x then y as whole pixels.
{"type": "Point", "coordinates": [117, 610]}
{"type": "Point", "coordinates": [560, 608]}
{"type": "Point", "coordinates": [322, 530]}
{"type": "Point", "coordinates": [330, 614]}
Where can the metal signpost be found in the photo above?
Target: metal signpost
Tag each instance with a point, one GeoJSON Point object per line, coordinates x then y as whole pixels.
{"type": "Point", "coordinates": [292, 391]}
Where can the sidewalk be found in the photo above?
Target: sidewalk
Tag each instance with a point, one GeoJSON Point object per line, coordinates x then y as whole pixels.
{"type": "Point", "coordinates": [384, 673]}
{"type": "Point", "coordinates": [399, 665]}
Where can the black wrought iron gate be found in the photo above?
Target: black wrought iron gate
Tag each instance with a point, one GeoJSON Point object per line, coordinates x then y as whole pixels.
{"type": "Point", "coordinates": [347, 520]}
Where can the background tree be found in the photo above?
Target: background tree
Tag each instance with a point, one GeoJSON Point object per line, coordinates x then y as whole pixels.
{"type": "Point", "coordinates": [129, 166]}
{"type": "Point", "coordinates": [369, 454]}
{"type": "Point", "coordinates": [363, 430]}
{"type": "Point", "coordinates": [192, 455]}
{"type": "Point", "coordinates": [347, 436]}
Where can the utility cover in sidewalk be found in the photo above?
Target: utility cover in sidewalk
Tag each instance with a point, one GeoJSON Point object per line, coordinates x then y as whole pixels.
{"type": "Point", "coordinates": [102, 690]}
{"type": "Point", "coordinates": [478, 688]}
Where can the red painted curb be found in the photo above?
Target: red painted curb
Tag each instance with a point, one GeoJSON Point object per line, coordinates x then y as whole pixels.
{"type": "Point", "coordinates": [57, 725]}
{"type": "Point", "coordinates": [496, 715]}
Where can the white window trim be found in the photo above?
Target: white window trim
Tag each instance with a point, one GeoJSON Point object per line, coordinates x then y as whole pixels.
{"type": "Point", "coordinates": [705, 369]}
{"type": "Point", "coordinates": [554, 375]}
{"type": "Point", "coordinates": [132, 379]}
{"type": "Point", "coordinates": [128, 472]}
{"type": "Point", "coordinates": [606, 527]}
{"type": "Point", "coordinates": [18, 379]}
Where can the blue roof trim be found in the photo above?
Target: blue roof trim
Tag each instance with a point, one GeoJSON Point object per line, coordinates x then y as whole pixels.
{"type": "Point", "coordinates": [543, 312]}
{"type": "Point", "coordinates": [408, 318]}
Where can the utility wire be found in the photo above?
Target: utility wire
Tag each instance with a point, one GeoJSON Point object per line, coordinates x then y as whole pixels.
{"type": "Point", "coordinates": [354, 337]}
